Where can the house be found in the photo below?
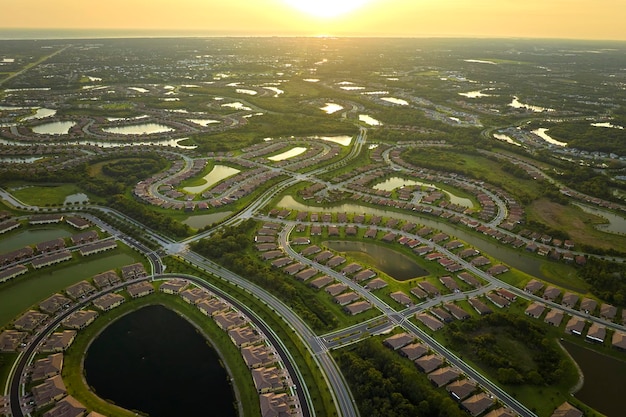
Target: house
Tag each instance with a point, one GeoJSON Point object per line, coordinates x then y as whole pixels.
{"type": "Point", "coordinates": [47, 367]}
{"type": "Point", "coordinates": [588, 305]}
{"type": "Point", "coordinates": [569, 300]}
{"type": "Point", "coordinates": [106, 279]}
{"type": "Point", "coordinates": [173, 286]}
{"type": "Point", "coordinates": [357, 308]}
{"type": "Point", "coordinates": [58, 341]}
{"type": "Point", "coordinates": [535, 310]}
{"type": "Point", "coordinates": [429, 321]}
{"type": "Point", "coordinates": [351, 269]}
{"type": "Point", "coordinates": [80, 319]}
{"type": "Point", "coordinates": [133, 271]}
{"type": "Point", "coordinates": [140, 289]}
{"type": "Point", "coordinates": [497, 300]}
{"type": "Point", "coordinates": [321, 282]}
{"type": "Point", "coordinates": [211, 306]}
{"type": "Point", "coordinates": [461, 389]}
{"type": "Point", "coordinates": [54, 303]}
{"type": "Point", "coordinates": [608, 312]}
{"type": "Point", "coordinates": [108, 301]}
{"type": "Point", "coordinates": [53, 389]}
{"type": "Point", "coordinates": [311, 250]}
{"type": "Point", "coordinates": [480, 307]}
{"type": "Point", "coordinates": [501, 412]}
{"type": "Point", "coordinates": [80, 290]}
{"type": "Point", "coordinates": [52, 259]}
{"type": "Point", "coordinates": [441, 314]}
{"type": "Point", "coordinates": [428, 363]}
{"type": "Point", "coordinates": [376, 284]}
{"type": "Point", "coordinates": [449, 283]}
{"type": "Point", "coordinates": [554, 317]}
{"type": "Point", "coordinates": [194, 295]}
{"type": "Point", "coordinates": [469, 279]}
{"type": "Point", "coordinates": [229, 320]}
{"type": "Point", "coordinates": [77, 222]}
{"type": "Point", "coordinates": [533, 286]}
{"type": "Point", "coordinates": [419, 293]}
{"type": "Point", "coordinates": [10, 340]}
{"type": "Point", "coordinates": [12, 272]}
{"type": "Point", "coordinates": [256, 356]}
{"type": "Point", "coordinates": [429, 288]}
{"type": "Point", "coordinates": [414, 351]}
{"type": "Point", "coordinates": [567, 410]}
{"type": "Point", "coordinates": [29, 320]}
{"type": "Point", "coordinates": [456, 311]}
{"type": "Point", "coordinates": [268, 379]}
{"type": "Point", "coordinates": [67, 407]}
{"type": "Point", "coordinates": [364, 275]}
{"type": "Point", "coordinates": [346, 298]}
{"type": "Point", "coordinates": [335, 261]}
{"type": "Point", "coordinates": [443, 376]}
{"type": "Point", "coordinates": [551, 293]}
{"type": "Point", "coordinates": [619, 340]}
{"type": "Point", "coordinates": [336, 289]}
{"type": "Point", "coordinates": [596, 333]}
{"type": "Point", "coordinates": [277, 405]}
{"type": "Point", "coordinates": [244, 336]}
{"type": "Point", "coordinates": [506, 294]}
{"type": "Point", "coordinates": [575, 326]}
{"type": "Point", "coordinates": [401, 298]}
{"type": "Point", "coordinates": [398, 341]}
{"type": "Point", "coordinates": [306, 274]}
{"type": "Point", "coordinates": [478, 404]}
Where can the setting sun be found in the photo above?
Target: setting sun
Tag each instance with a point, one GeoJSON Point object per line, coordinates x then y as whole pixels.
{"type": "Point", "coordinates": [326, 8]}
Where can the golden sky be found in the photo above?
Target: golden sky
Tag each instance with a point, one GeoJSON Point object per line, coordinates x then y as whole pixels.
{"type": "Point", "coordinates": [579, 19]}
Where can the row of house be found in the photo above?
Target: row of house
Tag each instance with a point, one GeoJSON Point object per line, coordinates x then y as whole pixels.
{"type": "Point", "coordinates": [269, 375]}
{"type": "Point", "coordinates": [462, 389]}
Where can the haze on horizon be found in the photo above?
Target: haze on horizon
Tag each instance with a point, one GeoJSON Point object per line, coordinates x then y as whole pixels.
{"type": "Point", "coordinates": [565, 19]}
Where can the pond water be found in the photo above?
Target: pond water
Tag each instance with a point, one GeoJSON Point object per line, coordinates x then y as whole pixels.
{"type": "Point", "coordinates": [616, 223]}
{"type": "Point", "coordinates": [237, 106]}
{"type": "Point", "coordinates": [331, 108]}
{"type": "Point", "coordinates": [479, 61]}
{"type": "Point", "coordinates": [277, 91]}
{"type": "Point", "coordinates": [341, 140]}
{"type": "Point", "coordinates": [53, 128]}
{"type": "Point", "coordinates": [217, 174]}
{"type": "Point", "coordinates": [395, 264]}
{"type": "Point", "coordinates": [21, 159]}
{"type": "Point", "coordinates": [201, 220]}
{"type": "Point", "coordinates": [505, 254]}
{"type": "Point", "coordinates": [105, 144]}
{"type": "Point", "coordinates": [369, 120]}
{"type": "Point", "coordinates": [246, 91]}
{"type": "Point", "coordinates": [155, 361]}
{"type": "Point", "coordinates": [506, 138]}
{"type": "Point", "coordinates": [142, 129]}
{"type": "Point", "coordinates": [76, 198]}
{"type": "Point", "coordinates": [541, 132]}
{"type": "Point", "coordinates": [289, 154]}
{"type": "Point", "coordinates": [203, 122]}
{"type": "Point", "coordinates": [396, 182]}
{"type": "Point", "coordinates": [394, 100]}
{"type": "Point", "coordinates": [30, 237]}
{"type": "Point", "coordinates": [41, 113]}
{"type": "Point", "coordinates": [474, 94]}
{"type": "Point", "coordinates": [515, 103]}
{"type": "Point", "coordinates": [609, 125]}
{"type": "Point", "coordinates": [21, 293]}
{"type": "Point", "coordinates": [604, 380]}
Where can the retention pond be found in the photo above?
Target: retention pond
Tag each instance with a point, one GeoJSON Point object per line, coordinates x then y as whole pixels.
{"type": "Point", "coordinates": [156, 362]}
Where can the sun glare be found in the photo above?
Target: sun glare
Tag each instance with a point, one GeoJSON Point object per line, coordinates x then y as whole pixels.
{"type": "Point", "coordinates": [326, 8]}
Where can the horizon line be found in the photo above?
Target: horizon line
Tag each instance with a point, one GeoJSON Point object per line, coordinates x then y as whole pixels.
{"type": "Point", "coordinates": [125, 33]}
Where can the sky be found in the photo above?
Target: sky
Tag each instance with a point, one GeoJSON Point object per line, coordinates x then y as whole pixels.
{"type": "Point", "coordinates": [566, 19]}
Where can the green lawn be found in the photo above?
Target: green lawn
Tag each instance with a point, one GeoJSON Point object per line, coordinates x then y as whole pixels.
{"type": "Point", "coordinates": [45, 195]}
